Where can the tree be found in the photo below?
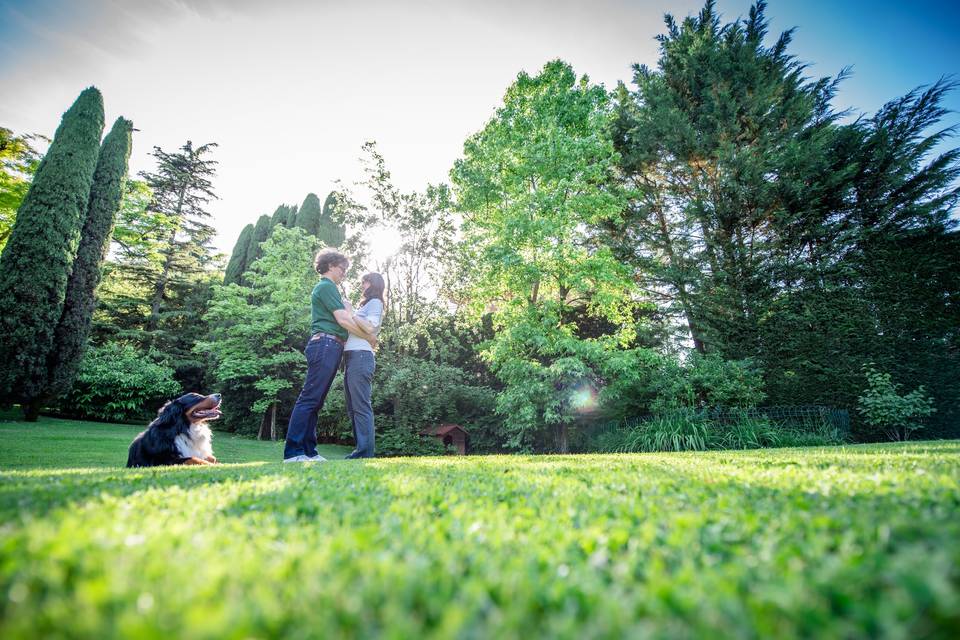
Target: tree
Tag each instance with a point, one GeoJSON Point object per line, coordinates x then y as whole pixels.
{"type": "Point", "coordinates": [738, 170]}
{"type": "Point", "coordinates": [310, 215]}
{"type": "Point", "coordinates": [886, 410]}
{"type": "Point", "coordinates": [181, 188]}
{"type": "Point", "coordinates": [423, 223]}
{"type": "Point", "coordinates": [280, 216]}
{"type": "Point", "coordinates": [260, 234]}
{"type": "Point", "coordinates": [291, 221]}
{"type": "Point", "coordinates": [39, 255]}
{"type": "Point", "coordinates": [238, 258]}
{"type": "Point", "coordinates": [331, 231]}
{"type": "Point", "coordinates": [258, 330]}
{"type": "Point", "coordinates": [70, 337]}
{"type": "Point", "coordinates": [532, 186]}
{"type": "Point", "coordinates": [18, 162]}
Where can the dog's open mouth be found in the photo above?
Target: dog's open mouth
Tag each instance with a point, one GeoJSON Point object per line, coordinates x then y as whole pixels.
{"type": "Point", "coordinates": [207, 414]}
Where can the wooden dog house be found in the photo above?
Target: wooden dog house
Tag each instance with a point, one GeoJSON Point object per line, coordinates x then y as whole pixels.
{"type": "Point", "coordinates": [449, 434]}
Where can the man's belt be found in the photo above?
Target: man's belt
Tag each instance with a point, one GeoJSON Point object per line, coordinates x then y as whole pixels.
{"type": "Point", "coordinates": [321, 334]}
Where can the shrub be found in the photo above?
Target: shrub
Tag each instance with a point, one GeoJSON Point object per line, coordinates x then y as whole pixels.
{"type": "Point", "coordinates": [746, 432]}
{"type": "Point", "coordinates": [886, 410]}
{"type": "Point", "coordinates": [399, 440]}
{"type": "Point", "coordinates": [117, 383]}
{"type": "Point", "coordinates": [677, 431]}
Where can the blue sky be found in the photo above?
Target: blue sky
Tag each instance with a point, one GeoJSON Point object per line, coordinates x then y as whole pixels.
{"type": "Point", "coordinates": [291, 89]}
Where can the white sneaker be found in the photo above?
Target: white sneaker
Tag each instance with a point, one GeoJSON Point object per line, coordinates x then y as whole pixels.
{"type": "Point", "coordinates": [300, 458]}
{"type": "Point", "coordinates": [317, 458]}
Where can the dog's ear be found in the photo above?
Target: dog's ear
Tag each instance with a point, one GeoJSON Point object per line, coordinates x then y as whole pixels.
{"type": "Point", "coordinates": [170, 415]}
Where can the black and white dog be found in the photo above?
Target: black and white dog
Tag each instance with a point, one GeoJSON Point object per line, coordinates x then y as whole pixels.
{"type": "Point", "coordinates": [179, 435]}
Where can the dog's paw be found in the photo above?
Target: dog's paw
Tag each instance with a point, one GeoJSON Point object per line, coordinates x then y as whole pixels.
{"type": "Point", "coordinates": [211, 459]}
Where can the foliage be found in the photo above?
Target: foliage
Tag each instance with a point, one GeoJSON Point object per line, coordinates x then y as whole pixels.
{"type": "Point", "coordinates": [182, 187]}
{"type": "Point", "coordinates": [257, 331]}
{"type": "Point", "coordinates": [395, 439]}
{"type": "Point", "coordinates": [676, 431]}
{"type": "Point", "coordinates": [331, 231]}
{"type": "Point", "coordinates": [18, 162]}
{"type": "Point", "coordinates": [884, 409]}
{"type": "Point", "coordinates": [839, 542]}
{"type": "Point", "coordinates": [707, 380]}
{"type": "Point", "coordinates": [116, 382]}
{"type": "Point", "coordinates": [73, 328]}
{"type": "Point", "coordinates": [309, 215]}
{"type": "Point", "coordinates": [531, 186]}
{"type": "Point", "coordinates": [39, 254]}
{"type": "Point", "coordinates": [237, 264]}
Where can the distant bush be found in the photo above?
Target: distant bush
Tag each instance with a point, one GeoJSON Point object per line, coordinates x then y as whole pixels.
{"type": "Point", "coordinates": [696, 430]}
{"type": "Point", "coordinates": [885, 410]}
{"type": "Point", "coordinates": [399, 440]}
{"type": "Point", "coordinates": [117, 383]}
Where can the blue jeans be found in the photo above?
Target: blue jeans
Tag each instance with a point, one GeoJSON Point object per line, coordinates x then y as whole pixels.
{"type": "Point", "coordinates": [357, 382]}
{"type": "Point", "coordinates": [323, 359]}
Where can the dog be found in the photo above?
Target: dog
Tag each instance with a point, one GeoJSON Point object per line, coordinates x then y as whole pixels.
{"type": "Point", "coordinates": [179, 434]}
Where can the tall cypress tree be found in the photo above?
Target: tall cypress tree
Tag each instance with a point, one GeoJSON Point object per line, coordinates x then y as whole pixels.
{"type": "Point", "coordinates": [260, 234]}
{"type": "Point", "coordinates": [331, 232]}
{"type": "Point", "coordinates": [71, 334]}
{"type": "Point", "coordinates": [280, 216]}
{"type": "Point", "coordinates": [291, 217]}
{"type": "Point", "coordinates": [238, 259]}
{"type": "Point", "coordinates": [38, 258]}
{"type": "Point", "coordinates": [308, 218]}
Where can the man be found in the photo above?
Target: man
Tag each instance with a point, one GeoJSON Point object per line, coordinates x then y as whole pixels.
{"type": "Point", "coordinates": [330, 324]}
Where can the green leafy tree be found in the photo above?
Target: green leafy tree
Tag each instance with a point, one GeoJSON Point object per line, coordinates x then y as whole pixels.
{"type": "Point", "coordinates": [238, 258]}
{"type": "Point", "coordinates": [884, 409]}
{"type": "Point", "coordinates": [73, 328]}
{"type": "Point", "coordinates": [532, 185]}
{"type": "Point", "coordinates": [39, 254]}
{"type": "Point", "coordinates": [258, 330]}
{"type": "Point", "coordinates": [18, 162]}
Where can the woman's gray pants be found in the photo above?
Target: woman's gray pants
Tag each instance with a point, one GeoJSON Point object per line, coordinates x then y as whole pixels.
{"type": "Point", "coordinates": [357, 383]}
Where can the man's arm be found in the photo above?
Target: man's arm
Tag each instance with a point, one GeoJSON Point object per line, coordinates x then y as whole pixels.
{"type": "Point", "coordinates": [348, 322]}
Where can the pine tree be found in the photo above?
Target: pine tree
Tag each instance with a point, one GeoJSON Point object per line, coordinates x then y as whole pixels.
{"type": "Point", "coordinates": [181, 189]}
{"type": "Point", "coordinates": [71, 334]}
{"type": "Point", "coordinates": [39, 255]}
{"type": "Point", "coordinates": [308, 218]}
{"type": "Point", "coordinates": [238, 259]}
{"type": "Point", "coordinates": [331, 233]}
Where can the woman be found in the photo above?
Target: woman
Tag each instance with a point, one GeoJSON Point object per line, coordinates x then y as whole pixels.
{"type": "Point", "coordinates": [360, 364]}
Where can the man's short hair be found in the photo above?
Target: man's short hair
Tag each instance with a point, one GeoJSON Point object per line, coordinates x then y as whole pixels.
{"type": "Point", "coordinates": [329, 258]}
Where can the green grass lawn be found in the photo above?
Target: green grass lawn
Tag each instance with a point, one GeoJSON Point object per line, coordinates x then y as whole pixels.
{"type": "Point", "coordinates": [847, 542]}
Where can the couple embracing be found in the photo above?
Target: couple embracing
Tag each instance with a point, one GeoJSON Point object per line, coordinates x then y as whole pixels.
{"type": "Point", "coordinates": [338, 331]}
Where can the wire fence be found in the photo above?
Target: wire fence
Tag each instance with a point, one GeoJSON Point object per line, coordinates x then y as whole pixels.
{"type": "Point", "coordinates": [801, 417]}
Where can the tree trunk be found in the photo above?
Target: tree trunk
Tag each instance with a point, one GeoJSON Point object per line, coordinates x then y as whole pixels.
{"type": "Point", "coordinates": [31, 409]}
{"type": "Point", "coordinates": [268, 424]}
{"type": "Point", "coordinates": [563, 444]}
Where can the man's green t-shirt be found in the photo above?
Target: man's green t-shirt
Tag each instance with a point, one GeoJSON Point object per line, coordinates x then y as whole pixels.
{"type": "Point", "coordinates": [324, 300]}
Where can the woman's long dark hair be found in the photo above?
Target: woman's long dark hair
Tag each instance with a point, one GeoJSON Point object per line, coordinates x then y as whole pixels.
{"type": "Point", "coordinates": [375, 290]}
